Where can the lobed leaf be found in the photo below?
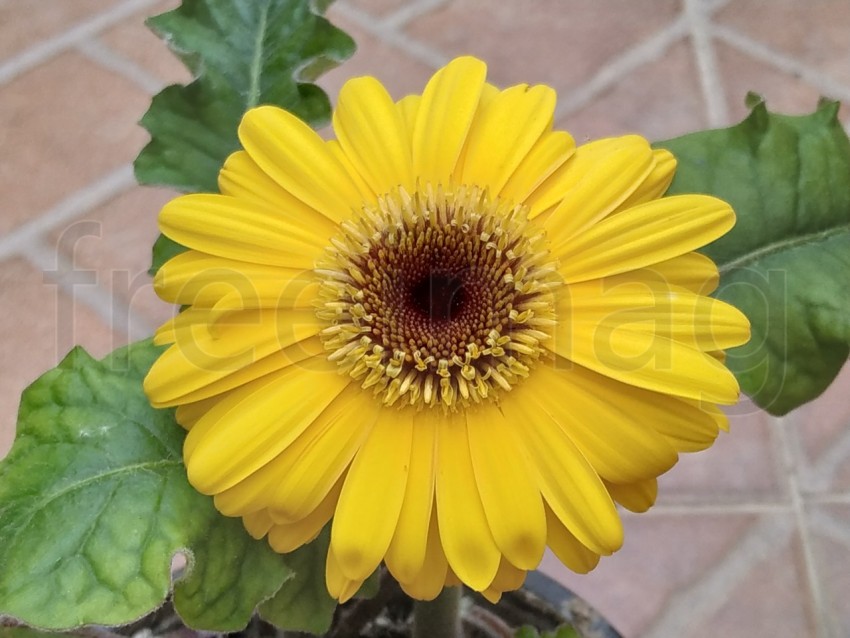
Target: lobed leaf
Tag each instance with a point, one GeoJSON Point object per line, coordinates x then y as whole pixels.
{"type": "Point", "coordinates": [94, 503]}
{"type": "Point", "coordinates": [786, 263]}
{"type": "Point", "coordinates": [242, 54]}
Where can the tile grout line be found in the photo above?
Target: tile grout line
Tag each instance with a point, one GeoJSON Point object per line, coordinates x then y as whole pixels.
{"type": "Point", "coordinates": [115, 313]}
{"type": "Point", "coordinates": [649, 50]}
{"type": "Point", "coordinates": [780, 61]}
{"type": "Point", "coordinates": [47, 49]}
{"type": "Point", "coordinates": [828, 463]}
{"type": "Point", "coordinates": [409, 12]}
{"type": "Point", "coordinates": [678, 509]}
{"type": "Point", "coordinates": [389, 35]}
{"type": "Point", "coordinates": [713, 93]}
{"type": "Point", "coordinates": [94, 194]}
{"type": "Point", "coordinates": [109, 59]}
{"type": "Point", "coordinates": [781, 425]}
{"type": "Point", "coordinates": [693, 605]}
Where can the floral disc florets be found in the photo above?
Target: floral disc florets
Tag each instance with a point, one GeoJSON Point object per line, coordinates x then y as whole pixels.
{"type": "Point", "coordinates": [442, 297]}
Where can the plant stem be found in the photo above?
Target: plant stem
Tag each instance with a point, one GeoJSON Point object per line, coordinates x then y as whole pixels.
{"type": "Point", "coordinates": [438, 617]}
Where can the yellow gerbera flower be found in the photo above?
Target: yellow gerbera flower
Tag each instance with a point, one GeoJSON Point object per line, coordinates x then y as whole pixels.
{"type": "Point", "coordinates": [449, 331]}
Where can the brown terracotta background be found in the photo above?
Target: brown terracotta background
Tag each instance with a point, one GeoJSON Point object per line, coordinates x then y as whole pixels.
{"type": "Point", "coordinates": [747, 540]}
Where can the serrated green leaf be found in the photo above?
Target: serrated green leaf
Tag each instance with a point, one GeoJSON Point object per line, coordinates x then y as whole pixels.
{"type": "Point", "coordinates": [303, 602]}
{"type": "Point", "coordinates": [242, 54]}
{"type": "Point", "coordinates": [786, 263]}
{"type": "Point", "coordinates": [164, 248]}
{"type": "Point", "coordinates": [26, 632]}
{"type": "Point", "coordinates": [94, 503]}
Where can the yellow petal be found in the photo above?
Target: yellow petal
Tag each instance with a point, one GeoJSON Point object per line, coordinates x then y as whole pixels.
{"type": "Point", "coordinates": [568, 482]}
{"type": "Point", "coordinates": [692, 271]}
{"type": "Point", "coordinates": [547, 155]}
{"type": "Point", "coordinates": [202, 357]}
{"type": "Point", "coordinates": [644, 235]}
{"type": "Point", "coordinates": [509, 577]}
{"type": "Point", "coordinates": [255, 423]}
{"type": "Point", "coordinates": [371, 498]}
{"type": "Point", "coordinates": [339, 585]}
{"type": "Point", "coordinates": [309, 468]}
{"type": "Point", "coordinates": [448, 105]}
{"type": "Point", "coordinates": [569, 550]}
{"type": "Point", "coordinates": [242, 230]}
{"type": "Point", "coordinates": [257, 524]}
{"type": "Point", "coordinates": [291, 355]}
{"type": "Point", "coordinates": [615, 436]}
{"type": "Point", "coordinates": [297, 159]}
{"type": "Point", "coordinates": [241, 177]}
{"type": "Point", "coordinates": [509, 493]}
{"type": "Point", "coordinates": [586, 158]}
{"type": "Point", "coordinates": [408, 108]}
{"type": "Point", "coordinates": [602, 185]}
{"type": "Point", "coordinates": [373, 134]}
{"type": "Point", "coordinates": [207, 281]}
{"type": "Point", "coordinates": [660, 309]}
{"type": "Point", "coordinates": [407, 550]}
{"type": "Point", "coordinates": [656, 183]}
{"type": "Point", "coordinates": [297, 480]}
{"type": "Point", "coordinates": [428, 582]}
{"type": "Point", "coordinates": [288, 537]}
{"type": "Point", "coordinates": [636, 497]}
{"type": "Point", "coordinates": [470, 549]}
{"type": "Point", "coordinates": [645, 360]}
{"type": "Point", "coordinates": [504, 132]}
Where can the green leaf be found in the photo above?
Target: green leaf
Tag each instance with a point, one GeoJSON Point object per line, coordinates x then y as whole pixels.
{"type": "Point", "coordinates": [242, 54]}
{"type": "Point", "coordinates": [786, 263]}
{"type": "Point", "coordinates": [303, 602]}
{"type": "Point", "coordinates": [94, 503]}
{"type": "Point", "coordinates": [26, 632]}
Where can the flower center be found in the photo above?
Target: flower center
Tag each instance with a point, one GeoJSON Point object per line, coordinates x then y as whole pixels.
{"type": "Point", "coordinates": [437, 298]}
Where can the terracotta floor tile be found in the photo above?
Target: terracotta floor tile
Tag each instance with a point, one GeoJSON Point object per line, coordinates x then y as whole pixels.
{"type": "Point", "coordinates": [135, 41]}
{"type": "Point", "coordinates": [816, 33]}
{"type": "Point", "coordinates": [770, 601]}
{"type": "Point", "coordinates": [538, 40]}
{"type": "Point", "coordinates": [378, 8]}
{"type": "Point", "coordinates": [741, 467]}
{"type": "Point", "coordinates": [25, 23]}
{"type": "Point", "coordinates": [821, 432]}
{"type": "Point", "coordinates": [659, 101]}
{"type": "Point", "coordinates": [782, 92]}
{"type": "Point", "coordinates": [661, 555]}
{"type": "Point", "coordinates": [40, 325]}
{"type": "Point", "coordinates": [831, 549]}
{"type": "Point", "coordinates": [68, 121]}
{"type": "Point", "coordinates": [398, 72]}
{"type": "Point", "coordinates": [115, 241]}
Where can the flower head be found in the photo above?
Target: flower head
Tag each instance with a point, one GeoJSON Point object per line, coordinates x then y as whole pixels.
{"type": "Point", "coordinates": [449, 332]}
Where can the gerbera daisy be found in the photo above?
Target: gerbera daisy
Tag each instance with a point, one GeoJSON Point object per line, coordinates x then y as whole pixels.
{"type": "Point", "coordinates": [448, 332]}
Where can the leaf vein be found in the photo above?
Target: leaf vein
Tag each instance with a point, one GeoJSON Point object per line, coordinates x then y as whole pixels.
{"type": "Point", "coordinates": [781, 245]}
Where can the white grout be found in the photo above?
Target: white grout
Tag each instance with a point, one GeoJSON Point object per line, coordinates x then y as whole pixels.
{"type": "Point", "coordinates": [110, 59]}
{"type": "Point", "coordinates": [782, 427]}
{"type": "Point", "coordinates": [687, 509]}
{"type": "Point", "coordinates": [409, 12]}
{"type": "Point", "coordinates": [694, 605]}
{"type": "Point", "coordinates": [114, 312]}
{"type": "Point", "coordinates": [711, 84]}
{"type": "Point", "coordinates": [387, 33]}
{"type": "Point", "coordinates": [785, 63]}
{"type": "Point", "coordinates": [649, 50]}
{"type": "Point", "coordinates": [43, 51]}
{"type": "Point", "coordinates": [85, 199]}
